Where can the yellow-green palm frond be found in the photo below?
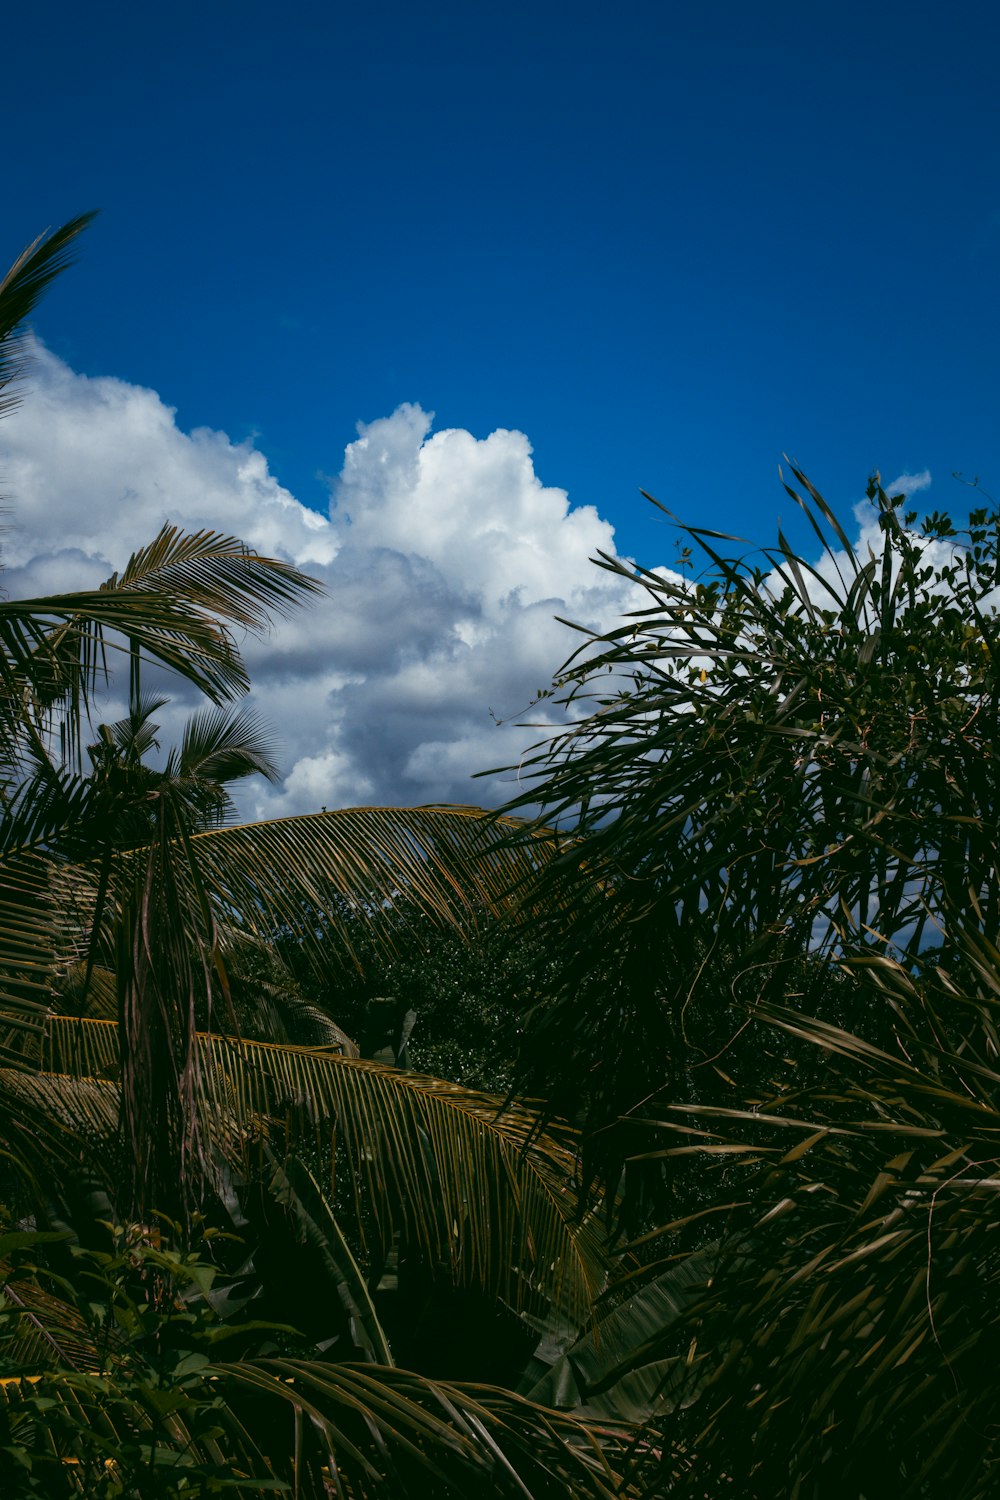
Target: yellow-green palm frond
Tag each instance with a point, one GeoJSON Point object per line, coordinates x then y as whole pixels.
{"type": "Point", "coordinates": [50, 1117]}
{"type": "Point", "coordinates": [372, 1432]}
{"type": "Point", "coordinates": [47, 944]}
{"type": "Point", "coordinates": [44, 1331]}
{"type": "Point", "coordinates": [371, 870]}
{"type": "Point", "coordinates": [470, 1184]}
{"type": "Point", "coordinates": [369, 879]}
{"type": "Point", "coordinates": [383, 864]}
{"type": "Point", "coordinates": [28, 953]}
{"type": "Point", "coordinates": [313, 1429]}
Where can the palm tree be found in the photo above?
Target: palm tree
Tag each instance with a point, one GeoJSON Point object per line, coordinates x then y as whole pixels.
{"type": "Point", "coordinates": [416, 1171]}
{"type": "Point", "coordinates": [129, 889]}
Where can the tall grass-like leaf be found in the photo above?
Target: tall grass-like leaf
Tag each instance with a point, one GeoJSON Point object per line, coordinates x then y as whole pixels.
{"type": "Point", "coordinates": [844, 1332]}
{"type": "Point", "coordinates": [771, 758]}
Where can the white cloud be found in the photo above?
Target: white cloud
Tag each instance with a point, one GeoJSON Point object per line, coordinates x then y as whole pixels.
{"type": "Point", "coordinates": [444, 558]}
{"type": "Point", "coordinates": [940, 555]}
{"type": "Point", "coordinates": [98, 465]}
{"type": "Point", "coordinates": [909, 484]}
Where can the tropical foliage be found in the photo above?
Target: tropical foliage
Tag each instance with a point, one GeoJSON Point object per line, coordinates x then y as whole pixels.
{"type": "Point", "coordinates": [336, 1200]}
{"type": "Point", "coordinates": [744, 963]}
{"type": "Point", "coordinates": [438, 1003]}
{"type": "Point", "coordinates": [783, 781]}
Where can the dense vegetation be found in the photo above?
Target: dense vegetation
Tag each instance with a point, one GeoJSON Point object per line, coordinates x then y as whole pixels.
{"type": "Point", "coordinates": [744, 966]}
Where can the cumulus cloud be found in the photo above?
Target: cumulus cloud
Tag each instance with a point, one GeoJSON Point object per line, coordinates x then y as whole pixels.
{"type": "Point", "coordinates": [444, 558]}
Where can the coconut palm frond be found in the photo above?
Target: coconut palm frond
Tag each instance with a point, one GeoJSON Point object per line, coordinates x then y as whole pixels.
{"type": "Point", "coordinates": [380, 864]}
{"type": "Point", "coordinates": [371, 876]}
{"type": "Point", "coordinates": [20, 289]}
{"type": "Point", "coordinates": [471, 1185]}
{"type": "Point", "coordinates": [382, 1433]}
{"type": "Point", "coordinates": [49, 953]}
{"type": "Point", "coordinates": [220, 746]}
{"type": "Point", "coordinates": [43, 1331]}
{"type": "Point", "coordinates": [172, 604]}
{"type": "Point", "coordinates": [314, 1429]}
{"type": "Point", "coordinates": [215, 575]}
{"type": "Point", "coordinates": [28, 955]}
{"type": "Point", "coordinates": [60, 1135]}
{"type": "Point", "coordinates": [59, 1111]}
{"type": "Point", "coordinates": [59, 644]}
{"type": "Point", "coordinates": [223, 746]}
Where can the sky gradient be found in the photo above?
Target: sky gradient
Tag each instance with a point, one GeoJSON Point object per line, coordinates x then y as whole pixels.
{"type": "Point", "coordinates": [667, 242]}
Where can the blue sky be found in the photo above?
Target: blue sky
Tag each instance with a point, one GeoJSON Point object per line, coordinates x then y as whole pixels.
{"type": "Point", "coordinates": [667, 242]}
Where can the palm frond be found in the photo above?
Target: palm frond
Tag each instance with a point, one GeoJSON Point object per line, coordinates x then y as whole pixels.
{"type": "Point", "coordinates": [136, 734]}
{"type": "Point", "coordinates": [224, 746]}
{"type": "Point", "coordinates": [60, 644]}
{"type": "Point", "coordinates": [60, 1134]}
{"type": "Point", "coordinates": [28, 950]}
{"type": "Point", "coordinates": [318, 1430]}
{"type": "Point", "coordinates": [380, 1433]}
{"type": "Point", "coordinates": [215, 575]}
{"type": "Point", "coordinates": [471, 1185]}
{"type": "Point", "coordinates": [35, 268]}
{"type": "Point", "coordinates": [219, 746]}
{"type": "Point", "coordinates": [375, 863]}
{"type": "Point", "coordinates": [324, 879]}
{"type": "Point", "coordinates": [48, 1332]}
